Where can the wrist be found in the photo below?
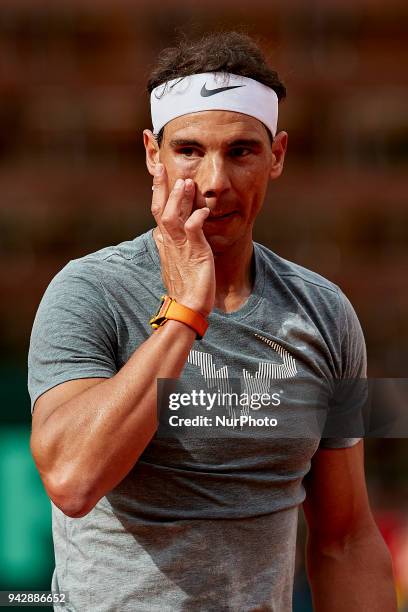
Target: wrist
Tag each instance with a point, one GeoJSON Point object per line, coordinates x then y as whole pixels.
{"type": "Point", "coordinates": [193, 305]}
{"type": "Point", "coordinates": [171, 309]}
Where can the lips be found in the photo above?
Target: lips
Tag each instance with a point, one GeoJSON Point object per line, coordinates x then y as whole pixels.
{"type": "Point", "coordinates": [219, 217]}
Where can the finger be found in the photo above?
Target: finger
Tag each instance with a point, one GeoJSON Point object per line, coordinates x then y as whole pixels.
{"type": "Point", "coordinates": [188, 200]}
{"type": "Point", "coordinates": [171, 218]}
{"type": "Point", "coordinates": [193, 228]}
{"type": "Point", "coordinates": [182, 204]}
{"type": "Point", "coordinates": [160, 191]}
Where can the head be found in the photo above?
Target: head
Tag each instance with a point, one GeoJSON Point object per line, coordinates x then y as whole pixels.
{"type": "Point", "coordinates": [231, 156]}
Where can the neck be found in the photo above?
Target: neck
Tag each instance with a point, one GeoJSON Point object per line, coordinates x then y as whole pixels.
{"type": "Point", "coordinates": [234, 275]}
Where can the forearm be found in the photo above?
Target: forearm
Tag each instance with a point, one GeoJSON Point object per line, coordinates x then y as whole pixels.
{"type": "Point", "coordinates": [354, 576]}
{"type": "Point", "coordinates": [91, 442]}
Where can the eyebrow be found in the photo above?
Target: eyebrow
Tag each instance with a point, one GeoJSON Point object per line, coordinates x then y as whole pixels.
{"type": "Point", "coordinates": [239, 142]}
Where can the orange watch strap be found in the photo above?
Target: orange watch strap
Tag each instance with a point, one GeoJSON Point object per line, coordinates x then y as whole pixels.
{"type": "Point", "coordinates": [192, 318]}
{"type": "Point", "coordinates": [170, 309]}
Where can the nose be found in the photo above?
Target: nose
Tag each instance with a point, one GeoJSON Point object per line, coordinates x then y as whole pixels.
{"type": "Point", "coordinates": [212, 178]}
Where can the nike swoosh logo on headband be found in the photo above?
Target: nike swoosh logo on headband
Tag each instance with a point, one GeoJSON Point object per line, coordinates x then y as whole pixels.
{"type": "Point", "coordinates": [211, 92]}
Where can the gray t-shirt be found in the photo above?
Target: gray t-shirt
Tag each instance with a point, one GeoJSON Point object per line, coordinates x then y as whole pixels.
{"type": "Point", "coordinates": [198, 524]}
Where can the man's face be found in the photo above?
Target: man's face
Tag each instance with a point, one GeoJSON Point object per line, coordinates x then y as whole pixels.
{"type": "Point", "coordinates": [229, 157]}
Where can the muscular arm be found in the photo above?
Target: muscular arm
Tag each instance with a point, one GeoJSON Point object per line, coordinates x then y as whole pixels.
{"type": "Point", "coordinates": [348, 564]}
{"type": "Point", "coordinates": [87, 444]}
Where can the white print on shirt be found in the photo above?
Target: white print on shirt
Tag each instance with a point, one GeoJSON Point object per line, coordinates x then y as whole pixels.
{"type": "Point", "coordinates": [257, 383]}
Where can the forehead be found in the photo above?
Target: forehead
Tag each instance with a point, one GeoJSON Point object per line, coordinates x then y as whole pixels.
{"type": "Point", "coordinates": [222, 125]}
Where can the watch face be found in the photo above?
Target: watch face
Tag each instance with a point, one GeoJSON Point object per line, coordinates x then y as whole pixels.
{"type": "Point", "coordinates": [163, 299]}
{"type": "Point", "coordinates": [157, 319]}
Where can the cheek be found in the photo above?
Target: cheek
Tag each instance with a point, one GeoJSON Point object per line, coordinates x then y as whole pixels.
{"type": "Point", "coordinates": [251, 186]}
{"type": "Point", "coordinates": [255, 199]}
{"type": "Point", "coordinates": [184, 168]}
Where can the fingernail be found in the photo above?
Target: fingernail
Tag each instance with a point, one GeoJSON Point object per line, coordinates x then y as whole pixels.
{"type": "Point", "coordinates": [189, 184]}
{"type": "Point", "coordinates": [179, 183]}
{"type": "Point", "coordinates": [158, 169]}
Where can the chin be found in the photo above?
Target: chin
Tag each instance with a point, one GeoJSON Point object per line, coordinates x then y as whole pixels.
{"type": "Point", "coordinates": [225, 235]}
{"type": "Point", "coordinates": [218, 242]}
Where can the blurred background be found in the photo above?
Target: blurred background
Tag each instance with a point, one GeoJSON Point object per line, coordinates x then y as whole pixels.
{"type": "Point", "coordinates": [72, 180]}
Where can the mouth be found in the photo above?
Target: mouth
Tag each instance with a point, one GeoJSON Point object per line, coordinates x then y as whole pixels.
{"type": "Point", "coordinates": [220, 217]}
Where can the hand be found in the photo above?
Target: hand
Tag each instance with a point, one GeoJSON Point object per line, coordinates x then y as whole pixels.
{"type": "Point", "coordinates": [187, 261]}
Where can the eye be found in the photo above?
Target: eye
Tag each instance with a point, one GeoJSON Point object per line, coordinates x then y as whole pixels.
{"type": "Point", "coordinates": [240, 152]}
{"type": "Point", "coordinates": [187, 151]}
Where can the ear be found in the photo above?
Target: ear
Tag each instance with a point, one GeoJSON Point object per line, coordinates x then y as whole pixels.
{"type": "Point", "coordinates": [279, 146]}
{"type": "Point", "coordinates": [152, 151]}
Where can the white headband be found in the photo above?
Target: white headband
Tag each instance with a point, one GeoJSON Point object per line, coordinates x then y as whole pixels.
{"type": "Point", "coordinates": [209, 91]}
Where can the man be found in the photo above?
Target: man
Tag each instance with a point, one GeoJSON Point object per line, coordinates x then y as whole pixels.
{"type": "Point", "coordinates": [143, 522]}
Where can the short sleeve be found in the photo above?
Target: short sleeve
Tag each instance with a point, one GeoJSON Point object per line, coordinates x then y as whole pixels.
{"type": "Point", "coordinates": [353, 366]}
{"type": "Point", "coordinates": [74, 331]}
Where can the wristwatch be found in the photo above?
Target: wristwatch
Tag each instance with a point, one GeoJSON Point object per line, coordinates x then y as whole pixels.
{"type": "Point", "coordinates": [169, 309]}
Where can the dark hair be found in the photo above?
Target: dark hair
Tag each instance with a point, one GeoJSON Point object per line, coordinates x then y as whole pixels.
{"type": "Point", "coordinates": [225, 52]}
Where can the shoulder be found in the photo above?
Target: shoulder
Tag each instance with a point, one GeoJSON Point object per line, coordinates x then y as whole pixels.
{"type": "Point", "coordinates": [135, 250]}
{"type": "Point", "coordinates": [324, 303]}
{"type": "Point", "coordinates": [315, 296]}
{"type": "Point", "coordinates": [93, 269]}
{"type": "Point", "coordinates": [302, 289]}
{"type": "Point", "coordinates": [295, 275]}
